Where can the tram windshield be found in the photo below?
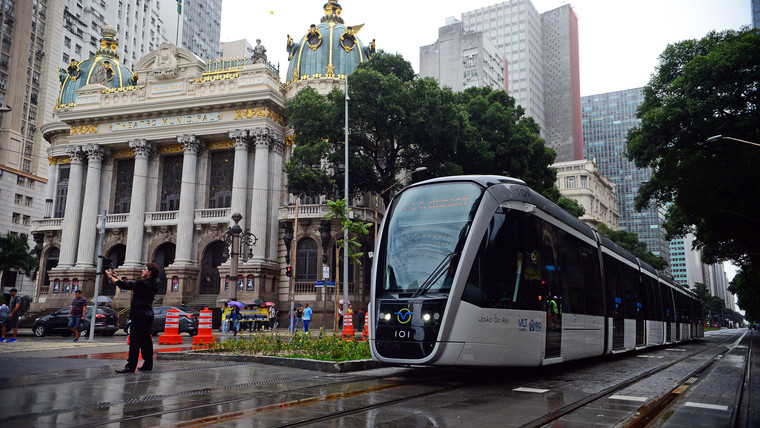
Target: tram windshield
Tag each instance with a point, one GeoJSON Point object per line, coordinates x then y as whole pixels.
{"type": "Point", "coordinates": [426, 230]}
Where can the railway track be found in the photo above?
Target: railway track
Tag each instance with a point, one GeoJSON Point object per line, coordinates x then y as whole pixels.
{"type": "Point", "coordinates": [332, 399]}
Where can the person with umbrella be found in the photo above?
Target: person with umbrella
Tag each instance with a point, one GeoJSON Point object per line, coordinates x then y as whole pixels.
{"type": "Point", "coordinates": [236, 306]}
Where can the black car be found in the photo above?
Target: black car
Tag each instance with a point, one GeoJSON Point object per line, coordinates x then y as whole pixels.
{"type": "Point", "coordinates": [106, 322]}
{"type": "Point", "coordinates": [188, 320]}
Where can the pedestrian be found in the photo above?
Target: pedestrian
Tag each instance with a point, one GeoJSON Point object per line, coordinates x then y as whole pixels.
{"type": "Point", "coordinates": [306, 317]}
{"type": "Point", "coordinates": [235, 320]}
{"type": "Point", "coordinates": [5, 312]}
{"type": "Point", "coordinates": [77, 313]}
{"type": "Point", "coordinates": [226, 316]}
{"type": "Point", "coordinates": [11, 323]}
{"type": "Point", "coordinates": [299, 317]}
{"type": "Point", "coordinates": [141, 313]}
{"type": "Point", "coordinates": [360, 317]}
{"type": "Point", "coordinates": [272, 318]}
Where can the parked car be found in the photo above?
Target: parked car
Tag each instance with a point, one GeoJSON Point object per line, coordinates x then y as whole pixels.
{"type": "Point", "coordinates": [106, 322]}
{"type": "Point", "coordinates": [188, 320]}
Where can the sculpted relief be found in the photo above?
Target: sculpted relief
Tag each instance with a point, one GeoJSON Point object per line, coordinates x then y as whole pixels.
{"type": "Point", "coordinates": [166, 66]}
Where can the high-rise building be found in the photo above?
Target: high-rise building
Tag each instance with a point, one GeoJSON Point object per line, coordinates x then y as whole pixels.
{"type": "Point", "coordinates": [606, 121]}
{"type": "Point", "coordinates": [138, 23]}
{"type": "Point", "coordinates": [27, 71]}
{"type": "Point", "coordinates": [543, 70]}
{"type": "Point", "coordinates": [755, 13]}
{"type": "Point", "coordinates": [461, 59]}
{"type": "Point", "coordinates": [199, 24]}
{"type": "Point", "coordinates": [687, 268]}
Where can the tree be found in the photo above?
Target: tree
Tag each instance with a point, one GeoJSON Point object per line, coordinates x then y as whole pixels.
{"type": "Point", "coordinates": [16, 254]}
{"type": "Point", "coordinates": [339, 209]}
{"type": "Point", "coordinates": [744, 286]}
{"type": "Point", "coordinates": [702, 88]}
{"type": "Point", "coordinates": [571, 205]}
{"type": "Point", "coordinates": [630, 242]}
{"type": "Point", "coordinates": [503, 141]}
{"type": "Point", "coordinates": [398, 121]}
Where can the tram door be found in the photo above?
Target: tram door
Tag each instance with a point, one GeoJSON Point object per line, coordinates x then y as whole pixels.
{"type": "Point", "coordinates": [677, 301]}
{"type": "Point", "coordinates": [553, 302]}
{"type": "Point", "coordinates": [668, 301]}
{"type": "Point", "coordinates": [613, 273]}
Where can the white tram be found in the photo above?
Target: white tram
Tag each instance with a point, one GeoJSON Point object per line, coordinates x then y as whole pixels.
{"type": "Point", "coordinates": [483, 271]}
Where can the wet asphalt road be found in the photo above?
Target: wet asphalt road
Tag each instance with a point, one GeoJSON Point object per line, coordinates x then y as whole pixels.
{"type": "Point", "coordinates": [51, 381]}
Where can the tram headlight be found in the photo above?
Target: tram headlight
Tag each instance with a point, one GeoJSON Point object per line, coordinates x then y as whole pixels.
{"type": "Point", "coordinates": [426, 317]}
{"type": "Point", "coordinates": [386, 317]}
{"type": "Point", "coordinates": [436, 316]}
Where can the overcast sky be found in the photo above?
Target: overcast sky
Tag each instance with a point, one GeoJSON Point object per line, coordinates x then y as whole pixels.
{"type": "Point", "coordinates": [619, 40]}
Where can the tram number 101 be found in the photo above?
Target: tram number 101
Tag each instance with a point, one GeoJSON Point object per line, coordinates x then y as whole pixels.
{"type": "Point", "coordinates": [403, 334]}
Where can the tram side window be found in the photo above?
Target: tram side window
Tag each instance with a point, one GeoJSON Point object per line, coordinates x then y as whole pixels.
{"type": "Point", "coordinates": [592, 279]}
{"type": "Point", "coordinates": [655, 300]}
{"type": "Point", "coordinates": [632, 284]}
{"type": "Point", "coordinates": [612, 273]}
{"type": "Point", "coordinates": [504, 273]}
{"type": "Point", "coordinates": [571, 273]}
{"type": "Point", "coordinates": [668, 310]}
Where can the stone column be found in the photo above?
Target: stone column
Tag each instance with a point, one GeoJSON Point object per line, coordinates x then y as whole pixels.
{"type": "Point", "coordinates": [185, 227]}
{"type": "Point", "coordinates": [261, 138]}
{"type": "Point", "coordinates": [88, 228]}
{"type": "Point", "coordinates": [136, 223]}
{"type": "Point", "coordinates": [240, 177]}
{"type": "Point", "coordinates": [275, 169]}
{"type": "Point", "coordinates": [72, 215]}
{"type": "Point", "coordinates": [52, 184]}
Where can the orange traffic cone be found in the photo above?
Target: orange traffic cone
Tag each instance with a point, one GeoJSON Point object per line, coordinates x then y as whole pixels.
{"type": "Point", "coordinates": [348, 327]}
{"type": "Point", "coordinates": [205, 334]}
{"type": "Point", "coordinates": [365, 331]}
{"type": "Point", "coordinates": [171, 329]}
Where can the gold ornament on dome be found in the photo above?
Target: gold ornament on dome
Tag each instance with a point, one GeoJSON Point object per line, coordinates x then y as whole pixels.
{"type": "Point", "coordinates": [348, 39]}
{"type": "Point", "coordinates": [290, 140]}
{"type": "Point", "coordinates": [313, 37]}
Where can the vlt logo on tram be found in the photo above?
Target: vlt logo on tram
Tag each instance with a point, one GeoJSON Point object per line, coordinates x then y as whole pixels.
{"type": "Point", "coordinates": [404, 316]}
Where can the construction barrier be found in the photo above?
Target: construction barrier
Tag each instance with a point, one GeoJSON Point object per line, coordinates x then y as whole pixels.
{"type": "Point", "coordinates": [365, 331]}
{"type": "Point", "coordinates": [348, 326]}
{"type": "Point", "coordinates": [205, 333]}
{"type": "Point", "coordinates": [171, 329]}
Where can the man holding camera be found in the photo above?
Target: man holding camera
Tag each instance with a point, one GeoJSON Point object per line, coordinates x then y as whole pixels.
{"type": "Point", "coordinates": [141, 314]}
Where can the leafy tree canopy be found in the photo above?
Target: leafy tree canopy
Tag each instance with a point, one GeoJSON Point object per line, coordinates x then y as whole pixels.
{"type": "Point", "coordinates": [702, 88]}
{"type": "Point", "coordinates": [571, 205]}
{"type": "Point", "coordinates": [16, 254]}
{"type": "Point", "coordinates": [398, 121]}
{"type": "Point", "coordinates": [630, 242]}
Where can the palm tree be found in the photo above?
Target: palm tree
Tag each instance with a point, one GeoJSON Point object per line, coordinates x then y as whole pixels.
{"type": "Point", "coordinates": [15, 254]}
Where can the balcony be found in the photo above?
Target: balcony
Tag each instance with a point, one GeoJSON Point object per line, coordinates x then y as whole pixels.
{"type": "Point", "coordinates": [319, 211]}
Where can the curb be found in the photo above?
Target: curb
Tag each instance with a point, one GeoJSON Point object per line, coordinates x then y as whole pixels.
{"type": "Point", "coordinates": [297, 363]}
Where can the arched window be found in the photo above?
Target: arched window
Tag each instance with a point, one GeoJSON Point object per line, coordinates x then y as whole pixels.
{"type": "Point", "coordinates": [213, 256]}
{"type": "Point", "coordinates": [51, 261]}
{"type": "Point", "coordinates": [163, 257]}
{"type": "Point", "coordinates": [306, 260]}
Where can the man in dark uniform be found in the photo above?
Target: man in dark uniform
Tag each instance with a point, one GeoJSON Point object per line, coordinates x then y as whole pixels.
{"type": "Point", "coordinates": [141, 314]}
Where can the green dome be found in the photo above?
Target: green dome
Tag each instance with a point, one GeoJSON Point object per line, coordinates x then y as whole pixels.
{"type": "Point", "coordinates": [104, 68]}
{"type": "Point", "coordinates": [328, 50]}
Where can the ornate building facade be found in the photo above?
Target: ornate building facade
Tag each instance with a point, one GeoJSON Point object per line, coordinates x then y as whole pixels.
{"type": "Point", "coordinates": [164, 155]}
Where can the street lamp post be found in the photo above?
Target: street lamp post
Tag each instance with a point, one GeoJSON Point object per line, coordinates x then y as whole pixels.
{"type": "Point", "coordinates": [377, 196]}
{"type": "Point", "coordinates": [236, 240]}
{"type": "Point", "coordinates": [716, 138]}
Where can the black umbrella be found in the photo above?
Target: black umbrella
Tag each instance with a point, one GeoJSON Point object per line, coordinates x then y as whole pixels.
{"type": "Point", "coordinates": [258, 302]}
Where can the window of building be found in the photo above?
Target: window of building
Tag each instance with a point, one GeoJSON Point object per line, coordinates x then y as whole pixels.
{"type": "Point", "coordinates": [171, 183]}
{"type": "Point", "coordinates": [18, 199]}
{"type": "Point", "coordinates": [306, 264]}
{"type": "Point", "coordinates": [20, 180]}
{"type": "Point", "coordinates": [123, 195]}
{"type": "Point", "coordinates": [28, 201]}
{"type": "Point", "coordinates": [220, 182]}
{"type": "Point", "coordinates": [16, 218]}
{"type": "Point", "coordinates": [584, 181]}
{"type": "Point", "coordinates": [67, 42]}
{"type": "Point", "coordinates": [62, 189]}
{"type": "Point", "coordinates": [570, 182]}
{"type": "Point", "coordinates": [27, 220]}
